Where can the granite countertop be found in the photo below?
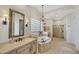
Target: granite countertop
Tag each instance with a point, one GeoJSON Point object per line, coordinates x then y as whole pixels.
{"type": "Point", "coordinates": [9, 46]}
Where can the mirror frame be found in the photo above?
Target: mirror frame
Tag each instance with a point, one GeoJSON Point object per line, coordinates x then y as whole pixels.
{"type": "Point", "coordinates": [10, 22]}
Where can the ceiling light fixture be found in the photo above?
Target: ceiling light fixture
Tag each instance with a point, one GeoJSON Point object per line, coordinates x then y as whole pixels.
{"type": "Point", "coordinates": [43, 13]}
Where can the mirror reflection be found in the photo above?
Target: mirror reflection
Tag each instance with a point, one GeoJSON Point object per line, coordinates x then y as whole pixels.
{"type": "Point", "coordinates": [16, 27]}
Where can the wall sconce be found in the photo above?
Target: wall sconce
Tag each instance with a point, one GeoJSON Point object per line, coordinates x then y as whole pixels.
{"type": "Point", "coordinates": [4, 21]}
{"type": "Point", "coordinates": [26, 25]}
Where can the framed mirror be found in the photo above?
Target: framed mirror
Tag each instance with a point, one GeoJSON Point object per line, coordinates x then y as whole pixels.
{"type": "Point", "coordinates": [16, 23]}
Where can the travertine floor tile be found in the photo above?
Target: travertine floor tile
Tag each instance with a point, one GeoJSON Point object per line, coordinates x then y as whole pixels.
{"type": "Point", "coordinates": [60, 46]}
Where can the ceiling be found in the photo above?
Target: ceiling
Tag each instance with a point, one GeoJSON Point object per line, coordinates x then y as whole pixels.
{"type": "Point", "coordinates": [47, 8]}
{"type": "Point", "coordinates": [54, 11]}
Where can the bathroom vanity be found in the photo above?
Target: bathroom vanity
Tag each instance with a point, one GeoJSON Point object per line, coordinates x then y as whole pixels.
{"type": "Point", "coordinates": [26, 46]}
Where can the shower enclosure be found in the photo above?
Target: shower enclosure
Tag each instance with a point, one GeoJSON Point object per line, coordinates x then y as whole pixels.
{"type": "Point", "coordinates": [58, 31]}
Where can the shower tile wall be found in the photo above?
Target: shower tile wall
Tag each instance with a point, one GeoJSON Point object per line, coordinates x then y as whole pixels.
{"type": "Point", "coordinates": [58, 31]}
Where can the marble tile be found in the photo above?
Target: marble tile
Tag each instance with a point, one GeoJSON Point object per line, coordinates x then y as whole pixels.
{"type": "Point", "coordinates": [60, 46]}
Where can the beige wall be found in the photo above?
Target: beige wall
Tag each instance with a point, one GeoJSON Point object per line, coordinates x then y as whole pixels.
{"type": "Point", "coordinates": [4, 10]}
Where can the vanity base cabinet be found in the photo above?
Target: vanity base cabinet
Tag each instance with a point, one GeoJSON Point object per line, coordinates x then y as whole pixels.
{"type": "Point", "coordinates": [34, 47]}
{"type": "Point", "coordinates": [29, 48]}
{"type": "Point", "coordinates": [12, 52]}
{"type": "Point", "coordinates": [24, 49]}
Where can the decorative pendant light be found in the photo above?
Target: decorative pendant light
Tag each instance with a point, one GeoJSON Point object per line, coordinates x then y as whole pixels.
{"type": "Point", "coordinates": [43, 13]}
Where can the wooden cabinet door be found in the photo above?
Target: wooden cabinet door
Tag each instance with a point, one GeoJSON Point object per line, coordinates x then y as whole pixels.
{"type": "Point", "coordinates": [12, 52]}
{"type": "Point", "coordinates": [24, 49]}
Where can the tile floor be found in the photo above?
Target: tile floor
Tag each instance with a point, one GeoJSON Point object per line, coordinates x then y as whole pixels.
{"type": "Point", "coordinates": [60, 46]}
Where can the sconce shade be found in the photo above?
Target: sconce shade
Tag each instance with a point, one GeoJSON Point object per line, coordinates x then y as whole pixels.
{"type": "Point", "coordinates": [5, 21]}
{"type": "Point", "coordinates": [26, 25]}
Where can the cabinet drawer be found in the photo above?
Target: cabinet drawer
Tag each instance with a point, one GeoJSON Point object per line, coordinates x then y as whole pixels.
{"type": "Point", "coordinates": [24, 49]}
{"type": "Point", "coordinates": [12, 52]}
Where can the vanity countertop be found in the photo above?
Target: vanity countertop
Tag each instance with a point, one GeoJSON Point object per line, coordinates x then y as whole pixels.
{"type": "Point", "coordinates": [9, 46]}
